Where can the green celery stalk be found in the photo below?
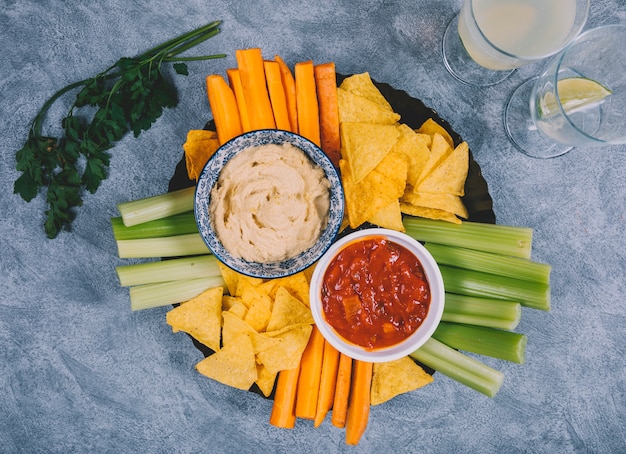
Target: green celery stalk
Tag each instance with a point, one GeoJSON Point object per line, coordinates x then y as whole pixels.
{"type": "Point", "coordinates": [500, 239]}
{"type": "Point", "coordinates": [165, 293]}
{"type": "Point", "coordinates": [496, 343]}
{"type": "Point", "coordinates": [156, 207]}
{"type": "Point", "coordinates": [475, 283]}
{"type": "Point", "coordinates": [459, 367]}
{"type": "Point", "coordinates": [178, 224]}
{"type": "Point", "coordinates": [168, 270]}
{"type": "Point", "coordinates": [170, 246]}
{"type": "Point", "coordinates": [489, 262]}
{"type": "Point", "coordinates": [482, 311]}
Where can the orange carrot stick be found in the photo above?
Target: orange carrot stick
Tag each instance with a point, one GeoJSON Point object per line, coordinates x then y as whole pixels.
{"type": "Point", "coordinates": [234, 79]}
{"type": "Point", "coordinates": [342, 391]}
{"type": "Point", "coordinates": [289, 84]}
{"type": "Point", "coordinates": [328, 382]}
{"type": "Point", "coordinates": [306, 102]}
{"type": "Point", "coordinates": [251, 68]}
{"type": "Point", "coordinates": [283, 411]}
{"type": "Point", "coordinates": [277, 95]}
{"type": "Point", "coordinates": [359, 407]}
{"type": "Point", "coordinates": [326, 84]}
{"type": "Point", "coordinates": [310, 375]}
{"type": "Point", "coordinates": [224, 108]}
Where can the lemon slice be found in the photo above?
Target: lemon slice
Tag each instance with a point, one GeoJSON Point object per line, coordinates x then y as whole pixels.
{"type": "Point", "coordinates": [575, 93]}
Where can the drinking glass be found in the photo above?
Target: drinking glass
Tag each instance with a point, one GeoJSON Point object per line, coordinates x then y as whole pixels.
{"type": "Point", "coordinates": [579, 100]}
{"type": "Point", "coordinates": [488, 39]}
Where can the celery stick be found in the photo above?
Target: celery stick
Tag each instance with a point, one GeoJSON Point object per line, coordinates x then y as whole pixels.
{"type": "Point", "coordinates": [168, 270]}
{"type": "Point", "coordinates": [170, 246]}
{"type": "Point", "coordinates": [164, 293]}
{"type": "Point", "coordinates": [157, 207]}
{"type": "Point", "coordinates": [459, 367]}
{"type": "Point", "coordinates": [496, 343]}
{"type": "Point", "coordinates": [481, 311]}
{"type": "Point", "coordinates": [475, 283]}
{"type": "Point", "coordinates": [178, 224]}
{"type": "Point", "coordinates": [489, 262]}
{"type": "Point", "coordinates": [500, 239]}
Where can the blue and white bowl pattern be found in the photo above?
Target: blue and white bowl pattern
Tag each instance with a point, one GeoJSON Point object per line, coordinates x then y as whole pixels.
{"type": "Point", "coordinates": [210, 174]}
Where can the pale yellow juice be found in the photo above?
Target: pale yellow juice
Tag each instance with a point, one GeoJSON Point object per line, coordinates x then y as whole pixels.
{"type": "Point", "coordinates": [506, 34]}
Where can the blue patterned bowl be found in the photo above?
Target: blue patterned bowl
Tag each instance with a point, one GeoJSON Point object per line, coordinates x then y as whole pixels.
{"type": "Point", "coordinates": [210, 175]}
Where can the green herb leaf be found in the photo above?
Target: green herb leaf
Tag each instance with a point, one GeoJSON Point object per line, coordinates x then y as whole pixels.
{"type": "Point", "coordinates": [128, 96]}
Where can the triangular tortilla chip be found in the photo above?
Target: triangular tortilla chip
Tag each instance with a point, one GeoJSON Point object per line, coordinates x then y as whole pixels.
{"type": "Point", "coordinates": [297, 284]}
{"type": "Point", "coordinates": [439, 151]}
{"type": "Point", "coordinates": [200, 317]}
{"type": "Point", "coordinates": [449, 177]}
{"type": "Point", "coordinates": [230, 276]}
{"type": "Point", "coordinates": [234, 365]}
{"type": "Point", "coordinates": [265, 380]}
{"type": "Point", "coordinates": [288, 310]}
{"type": "Point", "coordinates": [288, 353]}
{"type": "Point", "coordinates": [389, 217]}
{"type": "Point", "coordinates": [259, 307]}
{"type": "Point", "coordinates": [234, 326]}
{"type": "Point", "coordinates": [364, 145]}
{"type": "Point", "coordinates": [393, 378]}
{"type": "Point", "coordinates": [362, 85]}
{"type": "Point", "coordinates": [355, 108]}
{"type": "Point", "coordinates": [442, 201]}
{"type": "Point", "coordinates": [431, 127]}
{"type": "Point", "coordinates": [199, 147]}
{"type": "Point", "coordinates": [416, 148]}
{"type": "Point", "coordinates": [430, 213]}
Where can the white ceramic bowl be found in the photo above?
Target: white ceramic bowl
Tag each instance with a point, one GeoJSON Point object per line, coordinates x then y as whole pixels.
{"type": "Point", "coordinates": [409, 344]}
{"type": "Point", "coordinates": [209, 177]}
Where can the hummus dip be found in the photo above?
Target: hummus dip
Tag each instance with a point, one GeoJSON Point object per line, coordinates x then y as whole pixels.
{"type": "Point", "coordinates": [270, 203]}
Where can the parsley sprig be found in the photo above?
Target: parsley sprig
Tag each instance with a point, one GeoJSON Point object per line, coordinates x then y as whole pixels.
{"type": "Point", "coordinates": [128, 96]}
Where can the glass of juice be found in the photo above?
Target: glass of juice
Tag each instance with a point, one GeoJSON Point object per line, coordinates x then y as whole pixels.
{"type": "Point", "coordinates": [488, 39]}
{"type": "Point", "coordinates": [579, 100]}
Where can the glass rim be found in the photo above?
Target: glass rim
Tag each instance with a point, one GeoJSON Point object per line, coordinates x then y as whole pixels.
{"type": "Point", "coordinates": [555, 77]}
{"type": "Point", "coordinates": [574, 33]}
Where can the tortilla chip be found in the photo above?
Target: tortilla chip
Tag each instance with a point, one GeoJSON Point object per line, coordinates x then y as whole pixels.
{"type": "Point", "coordinates": [234, 365]}
{"type": "Point", "coordinates": [230, 276]}
{"type": "Point", "coordinates": [416, 148]}
{"type": "Point", "coordinates": [393, 378]}
{"type": "Point", "coordinates": [430, 213]}
{"type": "Point", "coordinates": [265, 380]}
{"type": "Point", "coordinates": [439, 151]}
{"type": "Point", "coordinates": [199, 147]}
{"type": "Point", "coordinates": [238, 309]}
{"type": "Point", "coordinates": [259, 307]}
{"type": "Point", "coordinates": [287, 354]}
{"type": "Point", "coordinates": [443, 201]}
{"type": "Point", "coordinates": [431, 127]}
{"type": "Point", "coordinates": [244, 282]}
{"type": "Point", "coordinates": [364, 145]}
{"type": "Point", "coordinates": [297, 284]}
{"type": "Point", "coordinates": [288, 310]}
{"type": "Point", "coordinates": [362, 85]}
{"type": "Point", "coordinates": [389, 217]}
{"type": "Point", "coordinates": [234, 326]}
{"type": "Point", "coordinates": [449, 177]}
{"type": "Point", "coordinates": [356, 108]}
{"type": "Point", "coordinates": [200, 317]}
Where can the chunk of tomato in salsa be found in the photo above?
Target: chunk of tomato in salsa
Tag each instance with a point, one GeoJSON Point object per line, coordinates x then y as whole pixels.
{"type": "Point", "coordinates": [375, 293]}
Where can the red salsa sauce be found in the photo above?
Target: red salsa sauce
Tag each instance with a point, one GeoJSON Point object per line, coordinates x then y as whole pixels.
{"type": "Point", "coordinates": [375, 293]}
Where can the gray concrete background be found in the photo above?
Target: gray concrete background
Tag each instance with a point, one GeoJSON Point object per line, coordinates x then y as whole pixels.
{"type": "Point", "coordinates": [80, 372]}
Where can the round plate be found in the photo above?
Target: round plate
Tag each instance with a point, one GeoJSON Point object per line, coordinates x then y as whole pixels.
{"type": "Point", "coordinates": [414, 113]}
{"type": "Point", "coordinates": [210, 175]}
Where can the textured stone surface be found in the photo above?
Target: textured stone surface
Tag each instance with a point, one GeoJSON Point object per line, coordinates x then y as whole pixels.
{"type": "Point", "coordinates": [80, 372]}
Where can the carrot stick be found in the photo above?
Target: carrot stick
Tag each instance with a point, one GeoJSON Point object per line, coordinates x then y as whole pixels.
{"type": "Point", "coordinates": [289, 84]}
{"type": "Point", "coordinates": [306, 102]}
{"type": "Point", "coordinates": [326, 84]}
{"type": "Point", "coordinates": [250, 64]}
{"type": "Point", "coordinates": [283, 411]}
{"type": "Point", "coordinates": [310, 375]}
{"type": "Point", "coordinates": [277, 95]}
{"type": "Point", "coordinates": [234, 79]}
{"type": "Point", "coordinates": [328, 382]}
{"type": "Point", "coordinates": [342, 391]}
{"type": "Point", "coordinates": [224, 108]}
{"type": "Point", "coordinates": [359, 407]}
